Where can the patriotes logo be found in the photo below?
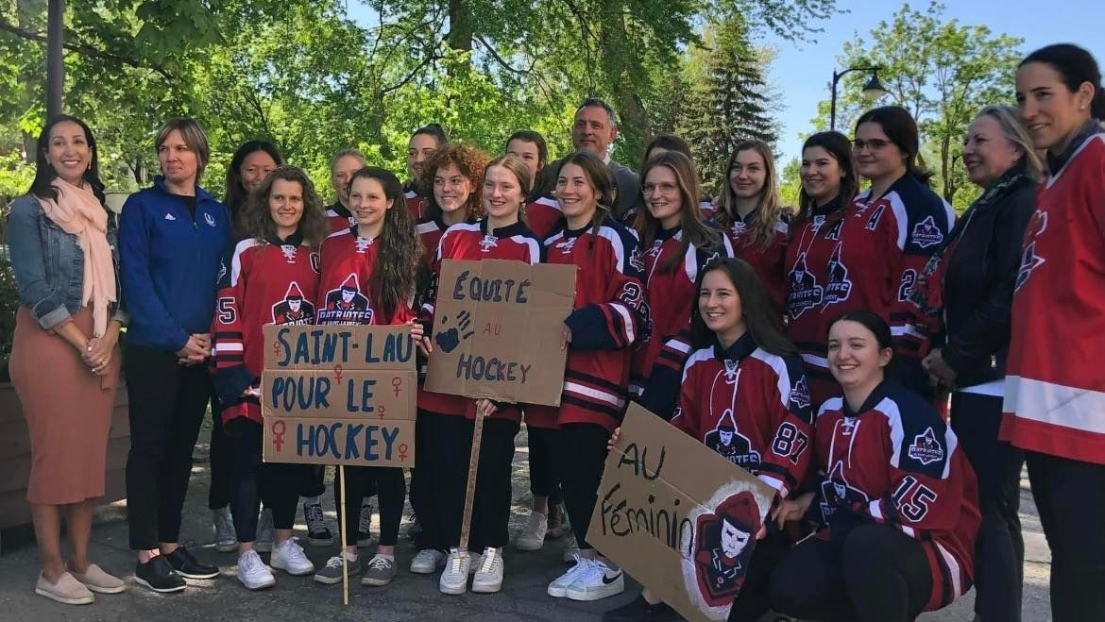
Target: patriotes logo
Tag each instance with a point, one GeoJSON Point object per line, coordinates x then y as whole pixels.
{"type": "Point", "coordinates": [926, 233]}
{"type": "Point", "coordinates": [724, 539]}
{"type": "Point", "coordinates": [925, 448]}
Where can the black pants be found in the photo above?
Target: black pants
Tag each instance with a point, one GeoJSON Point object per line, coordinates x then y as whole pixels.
{"type": "Point", "coordinates": [1072, 513]}
{"type": "Point", "coordinates": [581, 456]}
{"type": "Point", "coordinates": [419, 502]}
{"type": "Point", "coordinates": [254, 481]}
{"type": "Point", "coordinates": [543, 481]}
{"type": "Point", "coordinates": [445, 469]}
{"type": "Point", "coordinates": [219, 461]}
{"type": "Point", "coordinates": [167, 405]}
{"type": "Point", "coordinates": [999, 551]}
{"type": "Point", "coordinates": [879, 575]}
{"type": "Point", "coordinates": [754, 599]}
{"type": "Point", "coordinates": [389, 484]}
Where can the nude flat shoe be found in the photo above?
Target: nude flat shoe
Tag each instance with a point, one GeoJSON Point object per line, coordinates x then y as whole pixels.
{"type": "Point", "coordinates": [97, 580]}
{"type": "Point", "coordinates": [67, 590]}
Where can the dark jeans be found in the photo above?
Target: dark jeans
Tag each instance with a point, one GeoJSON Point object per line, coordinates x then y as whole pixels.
{"type": "Point", "coordinates": [167, 405]}
{"type": "Point", "coordinates": [254, 481]}
{"type": "Point", "coordinates": [879, 575]}
{"type": "Point", "coordinates": [581, 457]}
{"type": "Point", "coordinates": [389, 484]}
{"type": "Point", "coordinates": [1072, 513]}
{"type": "Point", "coordinates": [220, 461]}
{"type": "Point", "coordinates": [999, 551]}
{"type": "Point", "coordinates": [543, 481]}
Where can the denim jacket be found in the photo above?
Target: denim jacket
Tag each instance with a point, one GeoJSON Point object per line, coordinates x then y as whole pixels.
{"type": "Point", "coordinates": [48, 263]}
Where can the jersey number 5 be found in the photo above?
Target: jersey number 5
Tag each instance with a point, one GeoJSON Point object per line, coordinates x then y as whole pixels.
{"type": "Point", "coordinates": [913, 498]}
{"type": "Point", "coordinates": [227, 313]}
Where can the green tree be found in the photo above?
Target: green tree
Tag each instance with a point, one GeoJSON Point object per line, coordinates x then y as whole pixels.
{"type": "Point", "coordinates": [942, 71]}
{"type": "Point", "coordinates": [790, 184]}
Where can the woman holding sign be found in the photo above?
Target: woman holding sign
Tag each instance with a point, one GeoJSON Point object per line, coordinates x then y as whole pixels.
{"type": "Point", "coordinates": [369, 277]}
{"type": "Point", "coordinates": [744, 395]}
{"type": "Point", "coordinates": [273, 279]}
{"type": "Point", "coordinates": [502, 234]}
{"type": "Point", "coordinates": [897, 500]}
{"type": "Point", "coordinates": [610, 316]}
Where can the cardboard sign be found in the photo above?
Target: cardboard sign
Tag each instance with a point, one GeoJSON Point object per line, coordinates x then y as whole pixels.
{"type": "Point", "coordinates": [498, 330]}
{"type": "Point", "coordinates": [678, 517]}
{"type": "Point", "coordinates": [339, 395]}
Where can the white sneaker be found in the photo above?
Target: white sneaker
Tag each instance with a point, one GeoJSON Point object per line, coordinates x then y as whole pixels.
{"type": "Point", "coordinates": [477, 559]}
{"type": "Point", "coordinates": [290, 558]}
{"type": "Point", "coordinates": [597, 582]}
{"type": "Point", "coordinates": [253, 573]}
{"type": "Point", "coordinates": [571, 549]}
{"type": "Point", "coordinates": [226, 539]}
{"type": "Point", "coordinates": [559, 587]}
{"type": "Point", "coordinates": [427, 561]}
{"type": "Point", "coordinates": [489, 575]}
{"type": "Point", "coordinates": [263, 543]}
{"type": "Point", "coordinates": [454, 580]}
{"type": "Point", "coordinates": [532, 537]}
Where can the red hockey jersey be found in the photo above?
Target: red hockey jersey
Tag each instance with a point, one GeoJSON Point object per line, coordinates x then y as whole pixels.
{"type": "Point", "coordinates": [768, 263]}
{"type": "Point", "coordinates": [1055, 386]}
{"type": "Point", "coordinates": [752, 407]}
{"type": "Point", "coordinates": [347, 261]}
{"type": "Point", "coordinates": [611, 314]}
{"type": "Point", "coordinates": [416, 203]}
{"type": "Point", "coordinates": [863, 256]}
{"type": "Point", "coordinates": [265, 283]}
{"type": "Point", "coordinates": [543, 216]}
{"type": "Point", "coordinates": [896, 462]}
{"type": "Point", "coordinates": [672, 299]}
{"type": "Point", "coordinates": [339, 217]}
{"type": "Point", "coordinates": [473, 242]}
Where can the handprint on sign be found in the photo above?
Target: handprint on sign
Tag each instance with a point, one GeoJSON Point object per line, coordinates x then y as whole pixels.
{"type": "Point", "coordinates": [448, 340]}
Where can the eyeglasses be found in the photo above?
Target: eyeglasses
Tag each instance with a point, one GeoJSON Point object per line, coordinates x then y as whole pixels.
{"type": "Point", "coordinates": [875, 144]}
{"type": "Point", "coordinates": [664, 188]}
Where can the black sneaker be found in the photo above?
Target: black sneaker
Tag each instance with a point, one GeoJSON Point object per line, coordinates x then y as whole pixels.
{"type": "Point", "coordinates": [158, 575]}
{"type": "Point", "coordinates": [318, 532]}
{"type": "Point", "coordinates": [188, 567]}
{"type": "Point", "coordinates": [639, 610]}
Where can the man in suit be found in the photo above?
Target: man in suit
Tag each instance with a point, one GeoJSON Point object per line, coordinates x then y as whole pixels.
{"type": "Point", "coordinates": [594, 129]}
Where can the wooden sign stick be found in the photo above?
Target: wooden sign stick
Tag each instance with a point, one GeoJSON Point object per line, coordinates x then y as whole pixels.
{"type": "Point", "coordinates": [344, 527]}
{"type": "Point", "coordinates": [473, 469]}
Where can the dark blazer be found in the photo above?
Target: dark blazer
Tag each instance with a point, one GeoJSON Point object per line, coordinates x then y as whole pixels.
{"type": "Point", "coordinates": [978, 286]}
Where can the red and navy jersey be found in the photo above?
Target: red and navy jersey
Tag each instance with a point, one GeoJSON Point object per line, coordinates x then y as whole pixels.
{"type": "Point", "coordinates": [416, 203]}
{"type": "Point", "coordinates": [768, 262]}
{"type": "Point", "coordinates": [1054, 387]}
{"type": "Point", "coordinates": [266, 283]}
{"type": "Point", "coordinates": [346, 262]}
{"type": "Point", "coordinates": [339, 217]}
{"type": "Point", "coordinates": [544, 216]}
{"type": "Point", "coordinates": [866, 255]}
{"type": "Point", "coordinates": [474, 242]}
{"type": "Point", "coordinates": [895, 462]}
{"type": "Point", "coordinates": [611, 314]}
{"type": "Point", "coordinates": [672, 299]}
{"type": "Point", "coordinates": [753, 408]}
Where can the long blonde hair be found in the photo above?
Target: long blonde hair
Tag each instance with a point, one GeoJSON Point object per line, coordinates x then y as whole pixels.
{"type": "Point", "coordinates": [770, 205]}
{"type": "Point", "coordinates": [1013, 130]}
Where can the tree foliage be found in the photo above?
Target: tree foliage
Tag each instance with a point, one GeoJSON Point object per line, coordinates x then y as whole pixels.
{"type": "Point", "coordinates": [943, 72]}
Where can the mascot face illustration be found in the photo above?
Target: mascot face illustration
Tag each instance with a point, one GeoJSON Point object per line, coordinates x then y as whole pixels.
{"type": "Point", "coordinates": [347, 295]}
{"type": "Point", "coordinates": [724, 544]}
{"type": "Point", "coordinates": [733, 540]}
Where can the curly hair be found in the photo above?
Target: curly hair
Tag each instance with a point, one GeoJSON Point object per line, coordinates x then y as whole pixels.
{"type": "Point", "coordinates": [470, 161]}
{"type": "Point", "coordinates": [257, 219]}
{"type": "Point", "coordinates": [399, 265]}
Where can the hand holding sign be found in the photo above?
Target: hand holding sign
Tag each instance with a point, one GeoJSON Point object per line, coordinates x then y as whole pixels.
{"type": "Point", "coordinates": [421, 341]}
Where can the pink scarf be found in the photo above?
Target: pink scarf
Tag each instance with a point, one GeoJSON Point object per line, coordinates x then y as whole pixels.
{"type": "Point", "coordinates": [78, 212]}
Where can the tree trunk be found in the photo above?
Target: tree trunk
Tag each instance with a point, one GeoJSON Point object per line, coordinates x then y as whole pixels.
{"type": "Point", "coordinates": [31, 15]}
{"type": "Point", "coordinates": [460, 26]}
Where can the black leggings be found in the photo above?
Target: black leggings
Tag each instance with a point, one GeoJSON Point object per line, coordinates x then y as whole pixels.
{"type": "Point", "coordinates": [754, 599]}
{"type": "Point", "coordinates": [219, 460]}
{"type": "Point", "coordinates": [999, 551]}
{"type": "Point", "coordinates": [254, 481]}
{"type": "Point", "coordinates": [543, 481]}
{"type": "Point", "coordinates": [389, 484]}
{"type": "Point", "coordinates": [581, 457]}
{"type": "Point", "coordinates": [880, 575]}
{"type": "Point", "coordinates": [167, 404]}
{"type": "Point", "coordinates": [1072, 513]}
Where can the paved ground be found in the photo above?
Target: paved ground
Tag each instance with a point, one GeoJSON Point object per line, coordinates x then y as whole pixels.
{"type": "Point", "coordinates": [410, 597]}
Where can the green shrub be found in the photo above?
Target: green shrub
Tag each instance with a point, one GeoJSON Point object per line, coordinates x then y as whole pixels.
{"type": "Point", "coordinates": [9, 303]}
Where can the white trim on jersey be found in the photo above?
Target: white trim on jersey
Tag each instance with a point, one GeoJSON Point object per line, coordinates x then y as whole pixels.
{"type": "Point", "coordinates": [1055, 404]}
{"type": "Point", "coordinates": [901, 216]}
{"type": "Point", "coordinates": [222, 347]}
{"type": "Point", "coordinates": [994, 388]}
{"type": "Point", "coordinates": [627, 319]}
{"type": "Point", "coordinates": [816, 361]}
{"type": "Point", "coordinates": [236, 261]}
{"type": "Point", "coordinates": [782, 376]}
{"type": "Point", "coordinates": [547, 202]}
{"type": "Point", "coordinates": [953, 570]}
{"type": "Point", "coordinates": [595, 394]}
{"type": "Point", "coordinates": [534, 247]}
{"type": "Point", "coordinates": [611, 234]}
{"type": "Point", "coordinates": [703, 354]}
{"type": "Point", "coordinates": [426, 227]}
{"type": "Point", "coordinates": [889, 408]}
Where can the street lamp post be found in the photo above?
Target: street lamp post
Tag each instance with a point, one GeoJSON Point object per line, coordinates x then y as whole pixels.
{"type": "Point", "coordinates": [872, 90]}
{"type": "Point", "coordinates": [55, 57]}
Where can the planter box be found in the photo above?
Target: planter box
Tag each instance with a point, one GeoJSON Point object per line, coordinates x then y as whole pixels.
{"type": "Point", "coordinates": [15, 456]}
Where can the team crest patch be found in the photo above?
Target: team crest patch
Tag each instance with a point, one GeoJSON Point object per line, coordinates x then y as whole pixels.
{"type": "Point", "coordinates": [731, 444]}
{"type": "Point", "coordinates": [488, 242]}
{"type": "Point", "coordinates": [637, 260]}
{"type": "Point", "coordinates": [293, 309]}
{"type": "Point", "coordinates": [926, 233]}
{"type": "Point", "coordinates": [566, 245]}
{"type": "Point", "coordinates": [800, 394]}
{"type": "Point", "coordinates": [805, 293]}
{"type": "Point", "coordinates": [346, 305]}
{"type": "Point", "coordinates": [837, 492]}
{"type": "Point", "coordinates": [210, 219]}
{"type": "Point", "coordinates": [1029, 259]}
{"type": "Point", "coordinates": [925, 448]}
{"type": "Point", "coordinates": [725, 539]}
{"type": "Point", "coordinates": [289, 252]}
{"type": "Point", "coordinates": [839, 286]}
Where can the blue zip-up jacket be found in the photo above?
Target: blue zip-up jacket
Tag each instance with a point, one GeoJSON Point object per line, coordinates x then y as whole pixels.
{"type": "Point", "coordinates": [170, 263]}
